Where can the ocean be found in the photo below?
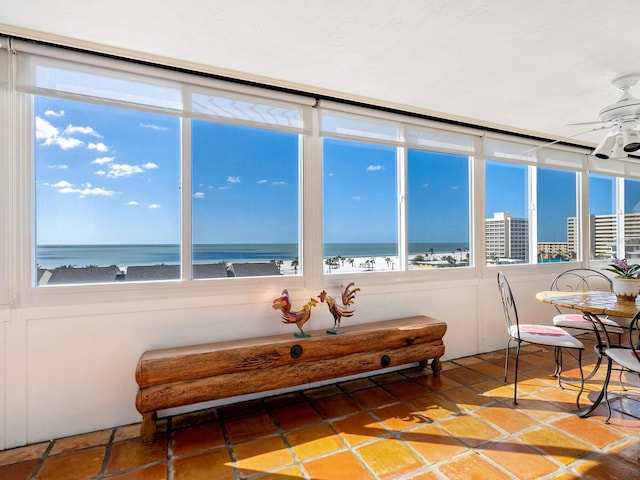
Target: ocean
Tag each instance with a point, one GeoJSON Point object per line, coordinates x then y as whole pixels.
{"type": "Point", "coordinates": [53, 256]}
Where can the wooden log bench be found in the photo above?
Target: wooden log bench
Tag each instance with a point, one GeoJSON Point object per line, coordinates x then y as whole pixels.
{"type": "Point", "coordinates": [175, 377]}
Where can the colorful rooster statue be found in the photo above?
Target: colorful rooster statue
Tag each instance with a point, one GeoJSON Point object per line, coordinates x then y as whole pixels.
{"type": "Point", "coordinates": [338, 311]}
{"type": "Point", "coordinates": [283, 304]}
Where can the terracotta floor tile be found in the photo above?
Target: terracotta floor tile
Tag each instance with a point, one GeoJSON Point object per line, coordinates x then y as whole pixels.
{"type": "Point", "coordinates": [433, 443]}
{"type": "Point", "coordinates": [389, 458]}
{"type": "Point", "coordinates": [127, 432]}
{"type": "Point", "coordinates": [355, 385]}
{"type": "Point", "coordinates": [425, 476]}
{"type": "Point", "coordinates": [212, 465]}
{"type": "Point", "coordinates": [197, 438]}
{"type": "Point", "coordinates": [153, 472]}
{"type": "Point", "coordinates": [470, 430]}
{"type": "Point", "coordinates": [606, 467]}
{"type": "Point", "coordinates": [249, 427]}
{"type": "Point", "coordinates": [135, 453]}
{"type": "Point", "coordinates": [241, 409]}
{"type": "Point", "coordinates": [314, 441]}
{"type": "Point", "coordinates": [398, 416]}
{"type": "Point", "coordinates": [506, 417]}
{"type": "Point", "coordinates": [284, 399]}
{"type": "Point", "coordinates": [467, 398]}
{"type": "Point", "coordinates": [21, 454]}
{"type": "Point", "coordinates": [520, 460]}
{"type": "Point", "coordinates": [288, 473]}
{"type": "Point", "coordinates": [539, 410]}
{"type": "Point", "coordinates": [471, 467]}
{"type": "Point", "coordinates": [346, 463]}
{"type": "Point", "coordinates": [438, 383]}
{"type": "Point", "coordinates": [262, 455]}
{"type": "Point", "coordinates": [555, 444]}
{"type": "Point", "coordinates": [435, 407]}
{"type": "Point", "coordinates": [464, 376]}
{"type": "Point", "coordinates": [373, 397]}
{"type": "Point", "coordinates": [488, 369]}
{"type": "Point", "coordinates": [587, 430]}
{"type": "Point", "coordinates": [564, 398]}
{"type": "Point", "coordinates": [336, 406]}
{"type": "Point", "coordinates": [406, 389]}
{"type": "Point", "coordinates": [18, 471]}
{"type": "Point", "coordinates": [81, 465]}
{"type": "Point", "coordinates": [360, 428]}
{"type": "Point", "coordinates": [296, 416]}
{"type": "Point", "coordinates": [321, 392]}
{"type": "Point", "coordinates": [195, 418]}
{"type": "Point", "coordinates": [85, 440]}
{"type": "Point", "coordinates": [628, 451]}
{"type": "Point", "coordinates": [388, 378]}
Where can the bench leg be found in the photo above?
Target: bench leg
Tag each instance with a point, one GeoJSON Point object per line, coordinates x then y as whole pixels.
{"type": "Point", "coordinates": [148, 427]}
{"type": "Point", "coordinates": [436, 366]}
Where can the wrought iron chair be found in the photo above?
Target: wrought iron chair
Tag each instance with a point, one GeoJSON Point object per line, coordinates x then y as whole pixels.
{"type": "Point", "coordinates": [626, 357]}
{"type": "Point", "coordinates": [549, 336]}
{"type": "Point", "coordinates": [582, 280]}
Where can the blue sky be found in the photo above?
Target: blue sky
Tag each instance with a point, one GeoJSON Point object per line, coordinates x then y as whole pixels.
{"type": "Point", "coordinates": [108, 175]}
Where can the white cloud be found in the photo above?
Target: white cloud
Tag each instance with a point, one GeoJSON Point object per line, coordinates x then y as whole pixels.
{"type": "Point", "coordinates": [133, 203]}
{"type": "Point", "coordinates": [278, 183]}
{"type": "Point", "coordinates": [154, 205]}
{"type": "Point", "coordinates": [60, 167]}
{"type": "Point", "coordinates": [425, 185]}
{"type": "Point", "coordinates": [103, 160]}
{"type": "Point", "coordinates": [123, 170]}
{"type": "Point", "coordinates": [62, 184]}
{"type": "Point", "coordinates": [100, 147]}
{"type": "Point", "coordinates": [47, 134]}
{"type": "Point", "coordinates": [198, 195]}
{"type": "Point", "coordinates": [83, 192]}
{"type": "Point", "coordinates": [51, 113]}
{"type": "Point", "coordinates": [231, 179]}
{"type": "Point", "coordinates": [374, 168]}
{"type": "Point", "coordinates": [356, 198]}
{"type": "Point", "coordinates": [262, 181]}
{"type": "Point", "coordinates": [83, 130]}
{"type": "Point", "coordinates": [150, 166]}
{"type": "Point", "coordinates": [102, 173]}
{"type": "Point", "coordinates": [152, 127]}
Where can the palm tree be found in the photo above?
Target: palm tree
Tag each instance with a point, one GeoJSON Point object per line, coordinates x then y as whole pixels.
{"type": "Point", "coordinates": [294, 263]}
{"type": "Point", "coordinates": [431, 252]}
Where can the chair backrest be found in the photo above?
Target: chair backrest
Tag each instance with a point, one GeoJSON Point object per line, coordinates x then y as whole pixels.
{"type": "Point", "coordinates": [508, 305]}
{"type": "Point", "coordinates": [634, 335]}
{"type": "Point", "coordinates": [581, 280]}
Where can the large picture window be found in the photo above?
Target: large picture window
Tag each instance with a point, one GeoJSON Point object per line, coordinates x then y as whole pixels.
{"type": "Point", "coordinates": [438, 207]}
{"type": "Point", "coordinates": [245, 201]}
{"type": "Point", "coordinates": [107, 192]}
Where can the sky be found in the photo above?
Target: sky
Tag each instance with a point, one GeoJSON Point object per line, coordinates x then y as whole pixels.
{"type": "Point", "coordinates": [112, 176]}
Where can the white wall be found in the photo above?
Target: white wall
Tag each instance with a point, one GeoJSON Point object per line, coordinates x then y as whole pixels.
{"type": "Point", "coordinates": [70, 368]}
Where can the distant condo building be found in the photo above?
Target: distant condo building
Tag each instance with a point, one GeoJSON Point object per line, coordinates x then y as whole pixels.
{"type": "Point", "coordinates": [602, 229]}
{"type": "Point", "coordinates": [507, 238]}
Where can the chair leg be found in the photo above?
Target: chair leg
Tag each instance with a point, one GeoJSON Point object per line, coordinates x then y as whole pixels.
{"type": "Point", "coordinates": [581, 379]}
{"type": "Point", "coordinates": [515, 380]}
{"type": "Point", "coordinates": [506, 359]}
{"type": "Point", "coordinates": [601, 395]}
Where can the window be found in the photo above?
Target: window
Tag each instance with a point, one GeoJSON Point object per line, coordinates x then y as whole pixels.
{"type": "Point", "coordinates": [602, 218]}
{"type": "Point", "coordinates": [506, 213]}
{"type": "Point", "coordinates": [632, 219]}
{"type": "Point", "coordinates": [107, 192]}
{"type": "Point", "coordinates": [360, 212]}
{"type": "Point", "coordinates": [556, 215]}
{"type": "Point", "coordinates": [438, 209]}
{"type": "Point", "coordinates": [245, 201]}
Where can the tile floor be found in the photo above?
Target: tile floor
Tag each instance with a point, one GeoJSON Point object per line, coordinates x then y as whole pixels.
{"type": "Point", "coordinates": [400, 425]}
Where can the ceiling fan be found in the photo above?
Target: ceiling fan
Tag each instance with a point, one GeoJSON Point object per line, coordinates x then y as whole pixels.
{"type": "Point", "coordinates": [622, 118]}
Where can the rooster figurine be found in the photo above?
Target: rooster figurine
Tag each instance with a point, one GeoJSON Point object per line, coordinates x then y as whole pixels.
{"type": "Point", "coordinates": [338, 311]}
{"type": "Point", "coordinates": [283, 304]}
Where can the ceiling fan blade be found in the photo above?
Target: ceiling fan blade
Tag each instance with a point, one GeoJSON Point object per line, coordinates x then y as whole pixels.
{"type": "Point", "coordinates": [587, 123]}
{"type": "Point", "coordinates": [571, 136]}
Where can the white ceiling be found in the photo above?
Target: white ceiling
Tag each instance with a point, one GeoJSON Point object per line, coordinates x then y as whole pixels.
{"type": "Point", "coordinates": [525, 66]}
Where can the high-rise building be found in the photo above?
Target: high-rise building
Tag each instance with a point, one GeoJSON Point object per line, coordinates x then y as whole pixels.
{"type": "Point", "coordinates": [507, 237]}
